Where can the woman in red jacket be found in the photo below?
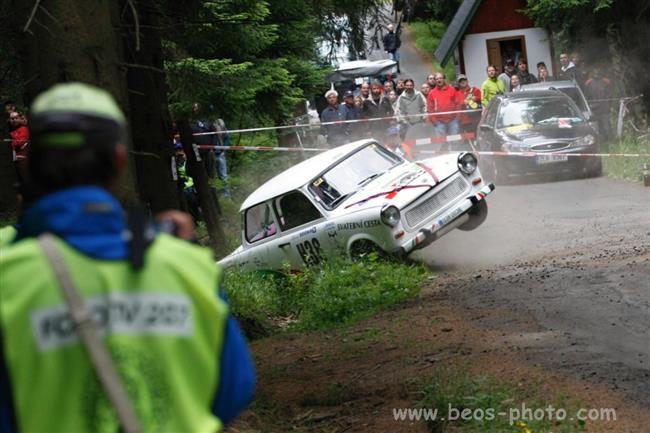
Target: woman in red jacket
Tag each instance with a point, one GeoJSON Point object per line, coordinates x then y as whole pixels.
{"type": "Point", "coordinates": [19, 135]}
{"type": "Point", "coordinates": [19, 141]}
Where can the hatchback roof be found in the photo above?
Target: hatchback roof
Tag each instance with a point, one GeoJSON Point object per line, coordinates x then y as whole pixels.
{"type": "Point", "coordinates": [529, 94]}
{"type": "Point", "coordinates": [300, 174]}
{"type": "Point", "coordinates": [549, 85]}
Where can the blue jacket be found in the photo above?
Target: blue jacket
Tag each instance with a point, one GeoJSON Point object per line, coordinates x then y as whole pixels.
{"type": "Point", "coordinates": [97, 231]}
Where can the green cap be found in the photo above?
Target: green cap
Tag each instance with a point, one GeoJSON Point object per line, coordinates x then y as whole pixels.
{"type": "Point", "coordinates": [78, 98]}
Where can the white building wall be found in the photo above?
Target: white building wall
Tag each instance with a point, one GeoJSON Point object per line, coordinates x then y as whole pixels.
{"type": "Point", "coordinates": [538, 49]}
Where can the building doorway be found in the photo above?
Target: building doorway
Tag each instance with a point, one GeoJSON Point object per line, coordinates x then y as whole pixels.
{"type": "Point", "coordinates": [503, 49]}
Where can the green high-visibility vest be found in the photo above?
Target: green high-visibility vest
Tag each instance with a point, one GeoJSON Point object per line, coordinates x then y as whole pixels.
{"type": "Point", "coordinates": [7, 234]}
{"type": "Point", "coordinates": [163, 325]}
{"type": "Point", "coordinates": [188, 182]}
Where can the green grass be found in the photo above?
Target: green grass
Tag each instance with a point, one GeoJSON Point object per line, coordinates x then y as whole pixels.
{"type": "Point", "coordinates": [627, 168]}
{"type": "Point", "coordinates": [337, 293]}
{"type": "Point", "coordinates": [426, 36]}
{"type": "Point", "coordinates": [476, 395]}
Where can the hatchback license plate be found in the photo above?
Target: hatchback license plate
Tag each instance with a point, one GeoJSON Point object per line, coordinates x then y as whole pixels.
{"type": "Point", "coordinates": [549, 159]}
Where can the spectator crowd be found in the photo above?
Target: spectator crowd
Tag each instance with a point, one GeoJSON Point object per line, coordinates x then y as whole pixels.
{"type": "Point", "coordinates": [398, 104]}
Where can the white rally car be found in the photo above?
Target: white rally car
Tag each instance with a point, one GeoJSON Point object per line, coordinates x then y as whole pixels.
{"type": "Point", "coordinates": [355, 199]}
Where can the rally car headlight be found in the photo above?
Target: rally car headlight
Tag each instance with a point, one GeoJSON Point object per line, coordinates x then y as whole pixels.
{"type": "Point", "coordinates": [390, 216]}
{"type": "Point", "coordinates": [467, 163]}
{"type": "Point", "coordinates": [587, 140]}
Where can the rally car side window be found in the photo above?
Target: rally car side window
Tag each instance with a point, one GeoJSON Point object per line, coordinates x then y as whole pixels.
{"type": "Point", "coordinates": [294, 209]}
{"type": "Point", "coordinates": [259, 223]}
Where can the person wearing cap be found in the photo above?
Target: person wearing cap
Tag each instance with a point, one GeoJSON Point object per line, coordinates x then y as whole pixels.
{"type": "Point", "coordinates": [154, 299]}
{"type": "Point", "coordinates": [351, 112]}
{"type": "Point", "coordinates": [393, 141]}
{"type": "Point", "coordinates": [472, 98]}
{"type": "Point", "coordinates": [508, 72]}
{"type": "Point", "coordinates": [392, 43]}
{"type": "Point", "coordinates": [334, 132]}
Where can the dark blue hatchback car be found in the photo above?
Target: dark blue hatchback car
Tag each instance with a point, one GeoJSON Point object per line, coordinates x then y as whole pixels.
{"type": "Point", "coordinates": [539, 131]}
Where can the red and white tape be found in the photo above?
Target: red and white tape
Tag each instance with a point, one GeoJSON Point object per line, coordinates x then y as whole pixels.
{"type": "Point", "coordinates": [440, 139]}
{"type": "Point", "coordinates": [530, 154]}
{"type": "Point", "coordinates": [264, 148]}
{"type": "Point", "coordinates": [338, 122]}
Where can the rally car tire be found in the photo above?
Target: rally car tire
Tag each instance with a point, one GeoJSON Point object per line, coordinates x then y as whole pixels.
{"type": "Point", "coordinates": [477, 215]}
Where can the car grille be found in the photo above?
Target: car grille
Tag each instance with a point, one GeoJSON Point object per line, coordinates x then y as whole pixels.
{"type": "Point", "coordinates": [549, 147]}
{"type": "Point", "coordinates": [436, 202]}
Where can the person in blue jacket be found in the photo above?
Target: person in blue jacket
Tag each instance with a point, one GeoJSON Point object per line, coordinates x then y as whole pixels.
{"type": "Point", "coordinates": [76, 161]}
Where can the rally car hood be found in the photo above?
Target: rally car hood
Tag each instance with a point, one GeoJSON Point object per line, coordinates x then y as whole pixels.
{"type": "Point", "coordinates": [402, 184]}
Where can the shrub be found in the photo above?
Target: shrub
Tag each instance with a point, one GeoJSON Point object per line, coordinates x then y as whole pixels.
{"type": "Point", "coordinates": [338, 292]}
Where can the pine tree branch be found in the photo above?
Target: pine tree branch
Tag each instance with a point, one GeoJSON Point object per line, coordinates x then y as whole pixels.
{"type": "Point", "coordinates": [136, 22]}
{"type": "Point", "coordinates": [31, 15]}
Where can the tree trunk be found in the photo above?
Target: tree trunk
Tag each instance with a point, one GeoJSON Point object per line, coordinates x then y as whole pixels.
{"type": "Point", "coordinates": [7, 182]}
{"type": "Point", "coordinates": [150, 119]}
{"type": "Point", "coordinates": [207, 201]}
{"type": "Point", "coordinates": [75, 40]}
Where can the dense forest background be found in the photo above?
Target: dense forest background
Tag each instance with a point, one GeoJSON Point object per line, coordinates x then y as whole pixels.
{"type": "Point", "coordinates": [249, 62]}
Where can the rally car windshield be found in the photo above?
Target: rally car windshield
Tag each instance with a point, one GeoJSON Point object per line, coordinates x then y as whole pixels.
{"type": "Point", "coordinates": [537, 111]}
{"type": "Point", "coordinates": [344, 179]}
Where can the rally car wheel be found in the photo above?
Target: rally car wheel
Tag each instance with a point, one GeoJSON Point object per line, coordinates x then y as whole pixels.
{"type": "Point", "coordinates": [477, 214]}
{"type": "Point", "coordinates": [363, 248]}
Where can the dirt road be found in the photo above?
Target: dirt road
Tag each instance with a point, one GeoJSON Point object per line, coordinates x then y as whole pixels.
{"type": "Point", "coordinates": [575, 257]}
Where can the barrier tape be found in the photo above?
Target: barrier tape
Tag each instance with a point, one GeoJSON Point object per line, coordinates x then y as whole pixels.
{"type": "Point", "coordinates": [441, 139]}
{"type": "Point", "coordinates": [338, 122]}
{"type": "Point", "coordinates": [529, 154]}
{"type": "Point", "coordinates": [265, 148]}
{"type": "Point", "coordinates": [423, 141]}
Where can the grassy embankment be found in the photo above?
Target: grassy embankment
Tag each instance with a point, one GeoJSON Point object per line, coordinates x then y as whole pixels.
{"type": "Point", "coordinates": [627, 168]}
{"type": "Point", "coordinates": [337, 293]}
{"type": "Point", "coordinates": [426, 36]}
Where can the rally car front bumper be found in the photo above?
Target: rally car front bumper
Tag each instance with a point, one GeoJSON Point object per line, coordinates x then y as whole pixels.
{"type": "Point", "coordinates": [444, 223]}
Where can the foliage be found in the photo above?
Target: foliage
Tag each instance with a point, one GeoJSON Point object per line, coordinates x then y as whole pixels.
{"type": "Point", "coordinates": [612, 34]}
{"type": "Point", "coordinates": [456, 388]}
{"type": "Point", "coordinates": [235, 62]}
{"type": "Point", "coordinates": [627, 168]}
{"type": "Point", "coordinates": [547, 12]}
{"type": "Point", "coordinates": [338, 292]}
{"type": "Point", "coordinates": [439, 10]}
{"type": "Point", "coordinates": [356, 25]}
{"type": "Point", "coordinates": [426, 36]}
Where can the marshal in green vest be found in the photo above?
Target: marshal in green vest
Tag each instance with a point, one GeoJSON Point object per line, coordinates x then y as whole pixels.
{"type": "Point", "coordinates": [163, 325]}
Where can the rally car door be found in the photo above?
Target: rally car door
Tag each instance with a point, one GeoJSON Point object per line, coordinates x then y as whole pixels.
{"type": "Point", "coordinates": [300, 221]}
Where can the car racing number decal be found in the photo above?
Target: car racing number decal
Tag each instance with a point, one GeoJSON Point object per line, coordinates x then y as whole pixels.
{"type": "Point", "coordinates": [310, 251]}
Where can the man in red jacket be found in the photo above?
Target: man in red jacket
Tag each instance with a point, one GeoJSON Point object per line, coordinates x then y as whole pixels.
{"type": "Point", "coordinates": [441, 99]}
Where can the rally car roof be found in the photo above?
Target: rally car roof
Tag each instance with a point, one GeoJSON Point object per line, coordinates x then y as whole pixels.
{"type": "Point", "coordinates": [300, 174]}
